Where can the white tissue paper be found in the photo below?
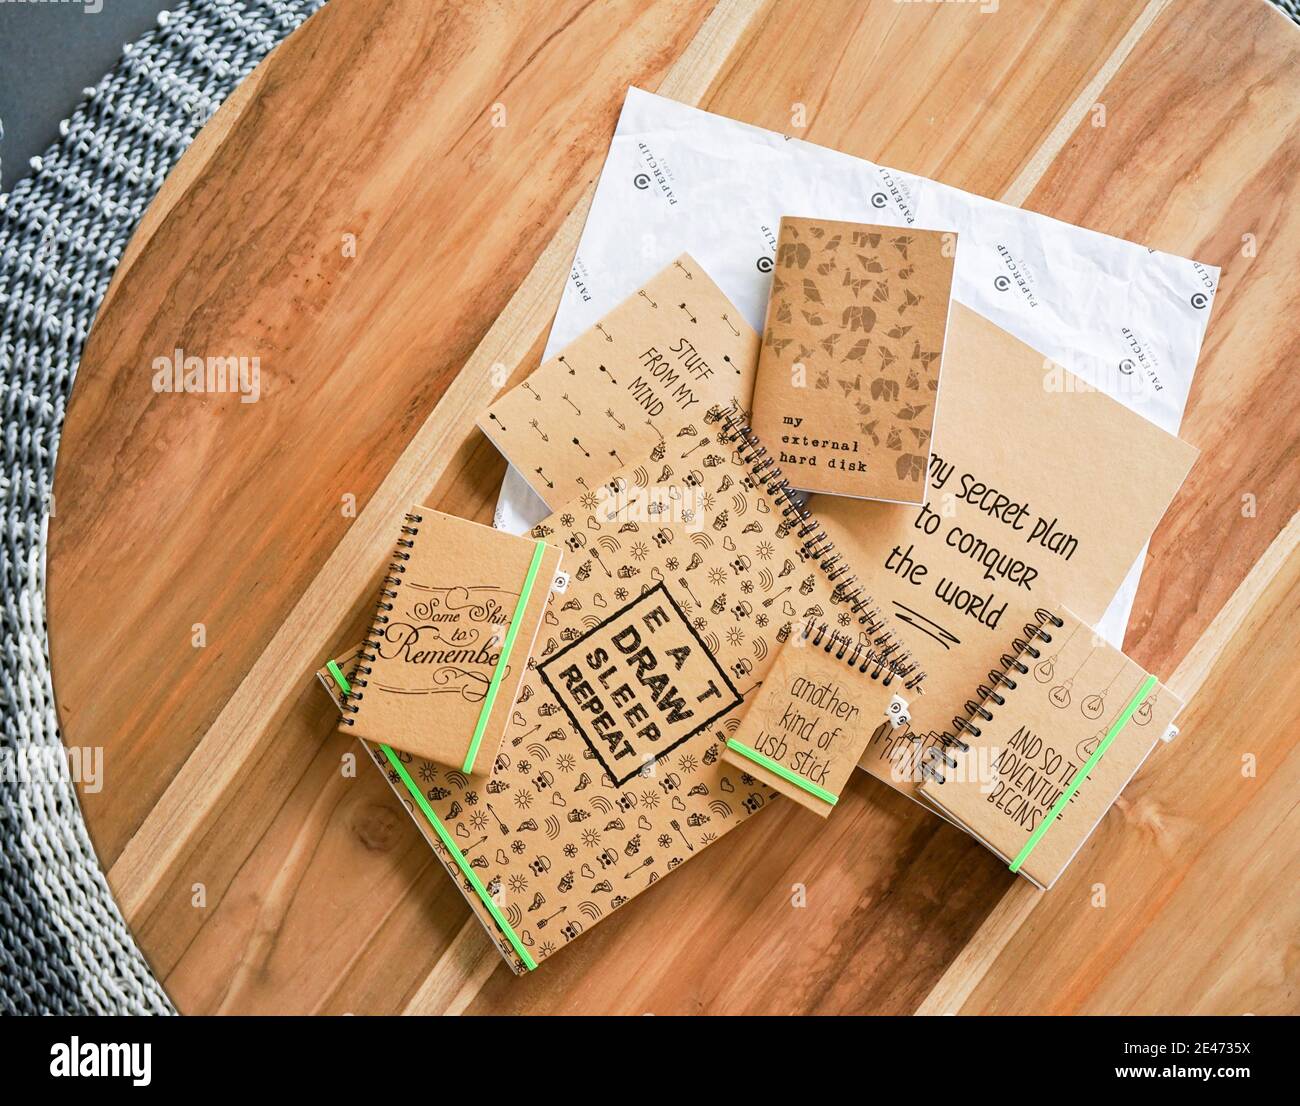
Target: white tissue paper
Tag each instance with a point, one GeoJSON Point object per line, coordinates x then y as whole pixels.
{"type": "Point", "coordinates": [1127, 319]}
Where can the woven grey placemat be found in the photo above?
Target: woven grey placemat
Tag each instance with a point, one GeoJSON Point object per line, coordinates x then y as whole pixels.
{"type": "Point", "coordinates": [64, 948]}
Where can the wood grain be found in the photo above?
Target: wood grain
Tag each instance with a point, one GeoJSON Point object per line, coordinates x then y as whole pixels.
{"type": "Point", "coordinates": [944, 90]}
{"type": "Point", "coordinates": [1237, 139]}
{"type": "Point", "coordinates": [227, 785]}
{"type": "Point", "coordinates": [352, 359]}
{"type": "Point", "coordinates": [1168, 849]}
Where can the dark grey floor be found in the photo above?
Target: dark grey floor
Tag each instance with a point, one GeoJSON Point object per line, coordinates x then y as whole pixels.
{"type": "Point", "coordinates": [49, 52]}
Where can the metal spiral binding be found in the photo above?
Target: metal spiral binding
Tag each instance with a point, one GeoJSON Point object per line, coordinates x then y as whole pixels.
{"type": "Point", "coordinates": [817, 546]}
{"type": "Point", "coordinates": [387, 593]}
{"type": "Point", "coordinates": [854, 653]}
{"type": "Point", "coordinates": [988, 693]}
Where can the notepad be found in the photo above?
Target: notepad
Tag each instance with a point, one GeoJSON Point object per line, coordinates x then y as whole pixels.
{"type": "Point", "coordinates": [815, 712]}
{"type": "Point", "coordinates": [849, 367]}
{"type": "Point", "coordinates": [457, 612]}
{"type": "Point", "coordinates": [647, 372]}
{"type": "Point", "coordinates": [1048, 743]}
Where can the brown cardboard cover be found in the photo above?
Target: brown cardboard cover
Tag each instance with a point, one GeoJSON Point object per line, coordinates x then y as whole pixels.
{"type": "Point", "coordinates": [1093, 479]}
{"type": "Point", "coordinates": [814, 714]}
{"type": "Point", "coordinates": [440, 626]}
{"type": "Point", "coordinates": [1010, 776]}
{"type": "Point", "coordinates": [848, 372]}
{"type": "Point", "coordinates": [646, 373]}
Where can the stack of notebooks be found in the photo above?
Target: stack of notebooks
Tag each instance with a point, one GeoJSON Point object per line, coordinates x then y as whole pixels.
{"type": "Point", "coordinates": [858, 539]}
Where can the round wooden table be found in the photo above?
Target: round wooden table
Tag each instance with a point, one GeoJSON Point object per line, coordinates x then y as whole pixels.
{"type": "Point", "coordinates": [352, 218]}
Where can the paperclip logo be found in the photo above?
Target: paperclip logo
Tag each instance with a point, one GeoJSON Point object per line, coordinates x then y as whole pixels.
{"type": "Point", "coordinates": [87, 1059]}
{"type": "Point", "coordinates": [879, 200]}
{"type": "Point", "coordinates": [654, 172]}
{"type": "Point", "coordinates": [764, 264]}
{"type": "Point", "coordinates": [1126, 366]}
{"type": "Point", "coordinates": [1001, 282]}
{"type": "Point", "coordinates": [1199, 300]}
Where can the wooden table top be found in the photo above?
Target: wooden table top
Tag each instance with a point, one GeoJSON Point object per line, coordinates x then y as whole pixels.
{"type": "Point", "coordinates": [204, 557]}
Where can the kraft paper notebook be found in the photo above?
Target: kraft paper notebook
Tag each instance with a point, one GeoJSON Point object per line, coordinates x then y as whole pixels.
{"type": "Point", "coordinates": [1041, 490]}
{"type": "Point", "coordinates": [813, 716]}
{"type": "Point", "coordinates": [687, 571]}
{"type": "Point", "coordinates": [848, 372]}
{"type": "Point", "coordinates": [1047, 745]}
{"type": "Point", "coordinates": [646, 373]}
{"type": "Point", "coordinates": [454, 624]}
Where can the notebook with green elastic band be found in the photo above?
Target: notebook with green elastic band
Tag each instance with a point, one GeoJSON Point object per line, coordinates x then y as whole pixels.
{"type": "Point", "coordinates": [828, 692]}
{"type": "Point", "coordinates": [1047, 745]}
{"type": "Point", "coordinates": [458, 610]}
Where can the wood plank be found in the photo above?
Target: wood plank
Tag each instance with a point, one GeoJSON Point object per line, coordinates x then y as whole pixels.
{"type": "Point", "coordinates": [950, 91]}
{"type": "Point", "coordinates": [930, 911]}
{"type": "Point", "coordinates": [1127, 929]}
{"type": "Point", "coordinates": [1227, 181]}
{"type": "Point", "coordinates": [454, 486]}
{"type": "Point", "coordinates": [1193, 157]}
{"type": "Point", "coordinates": [398, 129]}
{"type": "Point", "coordinates": [257, 730]}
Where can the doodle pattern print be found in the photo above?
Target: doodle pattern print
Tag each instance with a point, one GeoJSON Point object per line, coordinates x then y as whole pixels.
{"type": "Point", "coordinates": [688, 575]}
{"type": "Point", "coordinates": [851, 352]}
{"type": "Point", "coordinates": [647, 372]}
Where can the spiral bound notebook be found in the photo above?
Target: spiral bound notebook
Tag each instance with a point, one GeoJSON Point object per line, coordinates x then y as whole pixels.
{"type": "Point", "coordinates": [817, 709]}
{"type": "Point", "coordinates": [456, 616]}
{"type": "Point", "coordinates": [687, 572]}
{"type": "Point", "coordinates": [1044, 748]}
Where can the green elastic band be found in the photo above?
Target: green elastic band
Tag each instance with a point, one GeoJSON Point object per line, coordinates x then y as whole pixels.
{"type": "Point", "coordinates": [339, 678]}
{"type": "Point", "coordinates": [539, 551]}
{"type": "Point", "coordinates": [782, 771]}
{"type": "Point", "coordinates": [459, 857]}
{"type": "Point", "coordinates": [1082, 774]}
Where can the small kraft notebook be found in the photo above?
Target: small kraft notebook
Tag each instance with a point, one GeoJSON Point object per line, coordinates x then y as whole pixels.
{"type": "Point", "coordinates": [1047, 744]}
{"type": "Point", "coordinates": [689, 568]}
{"type": "Point", "coordinates": [457, 613]}
{"type": "Point", "coordinates": [815, 713]}
{"type": "Point", "coordinates": [645, 374]}
{"type": "Point", "coordinates": [848, 372]}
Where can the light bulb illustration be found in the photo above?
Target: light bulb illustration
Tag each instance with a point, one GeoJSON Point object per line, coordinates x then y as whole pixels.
{"type": "Point", "coordinates": [1086, 748]}
{"type": "Point", "coordinates": [1045, 669]}
{"type": "Point", "coordinates": [1143, 714]}
{"type": "Point", "coordinates": [1094, 705]}
{"type": "Point", "coordinates": [1059, 696]}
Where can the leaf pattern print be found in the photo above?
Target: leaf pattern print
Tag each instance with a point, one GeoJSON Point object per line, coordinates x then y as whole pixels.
{"type": "Point", "coordinates": [864, 310]}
